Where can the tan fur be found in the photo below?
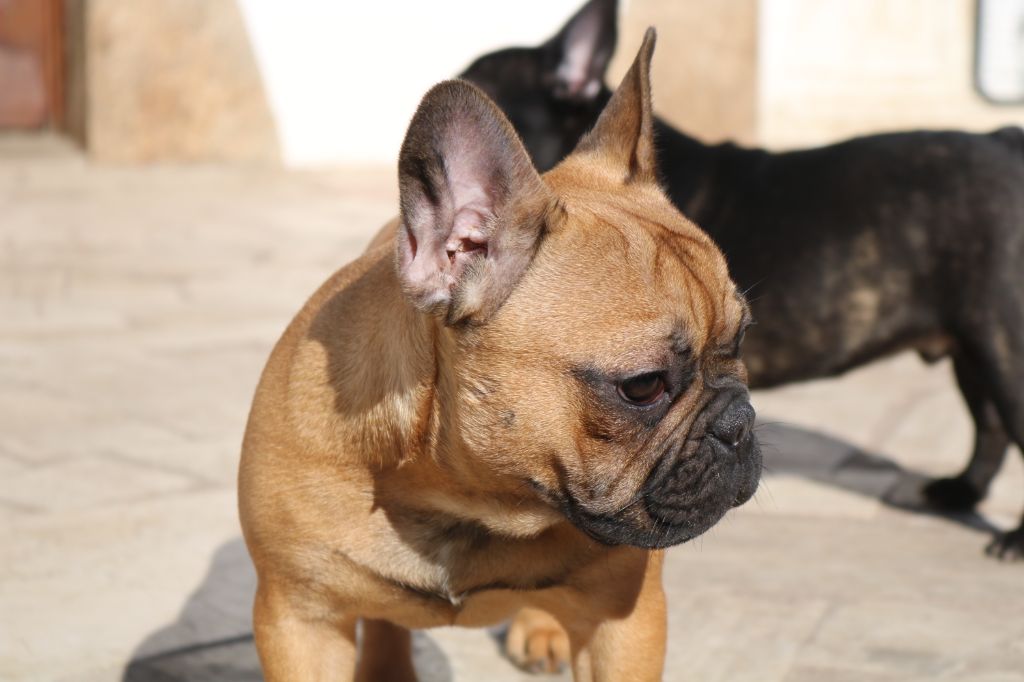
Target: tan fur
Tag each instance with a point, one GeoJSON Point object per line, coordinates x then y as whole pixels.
{"type": "Point", "coordinates": [375, 422]}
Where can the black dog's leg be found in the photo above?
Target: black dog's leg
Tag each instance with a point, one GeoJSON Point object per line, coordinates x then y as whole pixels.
{"type": "Point", "coordinates": [1002, 354]}
{"type": "Point", "coordinates": [963, 491]}
{"type": "Point", "coordinates": [1009, 545]}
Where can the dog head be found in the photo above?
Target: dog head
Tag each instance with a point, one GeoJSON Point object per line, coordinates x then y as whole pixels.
{"type": "Point", "coordinates": [589, 333]}
{"type": "Point", "coordinates": [553, 93]}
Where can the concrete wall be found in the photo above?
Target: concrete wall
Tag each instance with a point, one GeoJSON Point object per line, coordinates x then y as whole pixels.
{"type": "Point", "coordinates": [830, 69]}
{"type": "Point", "coordinates": [704, 77]}
{"type": "Point", "coordinates": [306, 82]}
{"type": "Point", "coordinates": [315, 82]}
{"type": "Point", "coordinates": [173, 80]}
{"type": "Point", "coordinates": [344, 78]}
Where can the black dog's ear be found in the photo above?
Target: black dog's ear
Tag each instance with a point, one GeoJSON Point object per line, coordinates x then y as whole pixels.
{"type": "Point", "coordinates": [577, 58]}
{"type": "Point", "coordinates": [624, 132]}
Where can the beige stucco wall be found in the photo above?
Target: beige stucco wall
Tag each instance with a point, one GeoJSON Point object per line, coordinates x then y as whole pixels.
{"type": "Point", "coordinates": [173, 80]}
{"type": "Point", "coordinates": [704, 77]}
{"type": "Point", "coordinates": [178, 80]}
{"type": "Point", "coordinates": [830, 69]}
{"type": "Point", "coordinates": [793, 73]}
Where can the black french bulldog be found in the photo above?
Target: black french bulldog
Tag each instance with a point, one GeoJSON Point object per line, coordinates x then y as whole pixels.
{"type": "Point", "coordinates": [850, 252]}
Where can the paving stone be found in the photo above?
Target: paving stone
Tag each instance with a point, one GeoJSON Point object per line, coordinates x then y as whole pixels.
{"type": "Point", "coordinates": [83, 482]}
{"type": "Point", "coordinates": [139, 304]}
{"type": "Point", "coordinates": [725, 636]}
{"type": "Point", "coordinates": [790, 495]}
{"type": "Point", "coordinates": [909, 640]}
{"type": "Point", "coordinates": [81, 590]}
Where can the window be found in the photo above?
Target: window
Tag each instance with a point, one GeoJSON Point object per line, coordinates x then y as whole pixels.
{"type": "Point", "coordinates": [999, 51]}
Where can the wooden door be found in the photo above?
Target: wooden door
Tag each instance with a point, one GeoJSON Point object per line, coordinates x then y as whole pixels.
{"type": "Point", "coordinates": [31, 63]}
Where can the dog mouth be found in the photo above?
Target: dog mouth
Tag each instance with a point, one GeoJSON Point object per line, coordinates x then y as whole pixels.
{"type": "Point", "coordinates": [684, 499]}
{"type": "Point", "coordinates": [686, 493]}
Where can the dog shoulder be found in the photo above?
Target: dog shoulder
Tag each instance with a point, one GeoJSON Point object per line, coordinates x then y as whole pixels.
{"type": "Point", "coordinates": [297, 394]}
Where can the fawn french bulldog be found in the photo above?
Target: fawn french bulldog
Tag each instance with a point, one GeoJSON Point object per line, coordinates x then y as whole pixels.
{"type": "Point", "coordinates": [517, 397]}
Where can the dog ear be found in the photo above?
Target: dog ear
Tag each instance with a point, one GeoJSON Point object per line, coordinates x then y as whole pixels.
{"type": "Point", "coordinates": [473, 206]}
{"type": "Point", "coordinates": [578, 56]}
{"type": "Point", "coordinates": [624, 132]}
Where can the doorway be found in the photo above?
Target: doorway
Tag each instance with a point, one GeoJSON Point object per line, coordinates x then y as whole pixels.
{"type": "Point", "coordinates": [31, 64]}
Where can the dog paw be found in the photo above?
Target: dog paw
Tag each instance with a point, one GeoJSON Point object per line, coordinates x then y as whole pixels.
{"type": "Point", "coordinates": [951, 494]}
{"type": "Point", "coordinates": [537, 643]}
{"type": "Point", "coordinates": [1007, 546]}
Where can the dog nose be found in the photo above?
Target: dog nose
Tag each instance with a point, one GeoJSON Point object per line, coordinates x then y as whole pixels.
{"type": "Point", "coordinates": [734, 424]}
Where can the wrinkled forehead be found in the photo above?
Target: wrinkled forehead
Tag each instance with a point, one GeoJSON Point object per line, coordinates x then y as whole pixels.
{"type": "Point", "coordinates": [628, 277]}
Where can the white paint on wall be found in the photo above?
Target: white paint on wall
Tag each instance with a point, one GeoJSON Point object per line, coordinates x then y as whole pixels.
{"type": "Point", "coordinates": [344, 77]}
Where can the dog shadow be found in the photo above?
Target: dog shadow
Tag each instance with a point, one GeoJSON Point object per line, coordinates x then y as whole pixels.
{"type": "Point", "coordinates": [212, 636]}
{"type": "Point", "coordinates": [211, 640]}
{"type": "Point", "coordinates": [818, 457]}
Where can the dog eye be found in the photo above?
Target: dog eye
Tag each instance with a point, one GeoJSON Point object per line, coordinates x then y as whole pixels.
{"type": "Point", "coordinates": [733, 351]}
{"type": "Point", "coordinates": [644, 389]}
{"type": "Point", "coordinates": [739, 342]}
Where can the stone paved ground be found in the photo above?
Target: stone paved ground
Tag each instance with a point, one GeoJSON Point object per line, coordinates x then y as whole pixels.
{"type": "Point", "coordinates": [136, 309]}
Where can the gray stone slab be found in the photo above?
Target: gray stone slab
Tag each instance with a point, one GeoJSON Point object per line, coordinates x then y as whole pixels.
{"type": "Point", "coordinates": [139, 305]}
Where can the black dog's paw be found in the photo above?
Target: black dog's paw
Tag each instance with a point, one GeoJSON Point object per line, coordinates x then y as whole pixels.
{"type": "Point", "coordinates": [951, 494]}
{"type": "Point", "coordinates": [1007, 546]}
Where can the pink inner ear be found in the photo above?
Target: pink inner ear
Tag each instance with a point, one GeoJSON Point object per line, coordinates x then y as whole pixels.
{"type": "Point", "coordinates": [469, 174]}
{"type": "Point", "coordinates": [576, 69]}
{"type": "Point", "coordinates": [467, 240]}
{"type": "Point", "coordinates": [424, 267]}
{"type": "Point", "coordinates": [412, 241]}
{"type": "Point", "coordinates": [435, 258]}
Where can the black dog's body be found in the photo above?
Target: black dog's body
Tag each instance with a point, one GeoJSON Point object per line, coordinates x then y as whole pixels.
{"type": "Point", "coordinates": [860, 249]}
{"type": "Point", "coordinates": [850, 252]}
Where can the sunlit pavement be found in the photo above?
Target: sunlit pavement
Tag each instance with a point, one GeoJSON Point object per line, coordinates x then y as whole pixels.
{"type": "Point", "coordinates": [136, 309]}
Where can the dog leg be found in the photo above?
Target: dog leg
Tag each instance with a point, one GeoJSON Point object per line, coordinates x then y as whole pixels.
{"type": "Point", "coordinates": [963, 491]}
{"type": "Point", "coordinates": [537, 642]}
{"type": "Point", "coordinates": [1001, 350]}
{"type": "Point", "coordinates": [1010, 545]}
{"type": "Point", "coordinates": [386, 653]}
{"type": "Point", "coordinates": [627, 648]}
{"type": "Point", "coordinates": [293, 648]}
